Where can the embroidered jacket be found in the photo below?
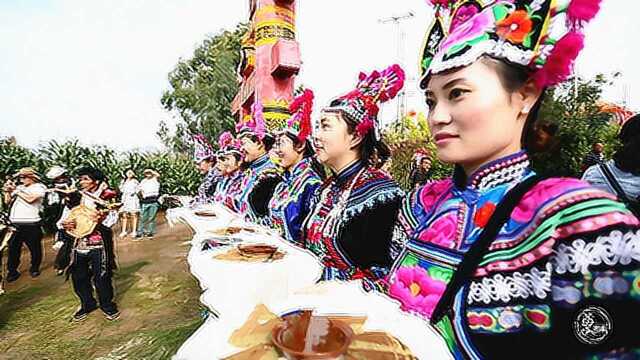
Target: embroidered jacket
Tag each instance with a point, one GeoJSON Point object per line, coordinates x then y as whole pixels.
{"type": "Point", "coordinates": [206, 188]}
{"type": "Point", "coordinates": [227, 188]}
{"type": "Point", "coordinates": [351, 224]}
{"type": "Point", "coordinates": [566, 246]}
{"type": "Point", "coordinates": [291, 200]}
{"type": "Point", "coordinates": [256, 188]}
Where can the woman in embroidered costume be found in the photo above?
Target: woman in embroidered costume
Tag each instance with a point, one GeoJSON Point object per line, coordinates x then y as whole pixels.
{"type": "Point", "coordinates": [230, 158]}
{"type": "Point", "coordinates": [205, 160]}
{"type": "Point", "coordinates": [260, 173]}
{"type": "Point", "coordinates": [560, 278]}
{"type": "Point", "coordinates": [351, 224]}
{"type": "Point", "coordinates": [291, 201]}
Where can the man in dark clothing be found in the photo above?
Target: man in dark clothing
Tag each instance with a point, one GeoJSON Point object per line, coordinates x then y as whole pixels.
{"type": "Point", "coordinates": [594, 157]}
{"type": "Point", "coordinates": [92, 256]}
{"type": "Point", "coordinates": [422, 174]}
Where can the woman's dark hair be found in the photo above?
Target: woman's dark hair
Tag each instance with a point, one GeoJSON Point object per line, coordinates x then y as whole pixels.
{"type": "Point", "coordinates": [374, 152]}
{"type": "Point", "coordinates": [308, 152]}
{"type": "Point", "coordinates": [124, 173]}
{"type": "Point", "coordinates": [626, 158]}
{"type": "Point", "coordinates": [513, 77]}
{"type": "Point", "coordinates": [267, 141]}
{"type": "Point", "coordinates": [93, 173]}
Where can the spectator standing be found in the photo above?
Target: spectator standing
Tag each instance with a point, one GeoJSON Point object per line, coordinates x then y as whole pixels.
{"type": "Point", "coordinates": [422, 173]}
{"type": "Point", "coordinates": [594, 157]}
{"type": "Point", "coordinates": [130, 203]}
{"type": "Point", "coordinates": [149, 190]}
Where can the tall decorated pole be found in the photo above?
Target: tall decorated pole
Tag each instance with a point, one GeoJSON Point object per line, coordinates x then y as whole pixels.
{"type": "Point", "coordinates": [270, 61]}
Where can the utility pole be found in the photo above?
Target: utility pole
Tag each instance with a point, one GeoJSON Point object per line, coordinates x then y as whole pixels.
{"type": "Point", "coordinates": [397, 20]}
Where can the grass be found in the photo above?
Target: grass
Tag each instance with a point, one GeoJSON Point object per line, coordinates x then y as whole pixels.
{"type": "Point", "coordinates": [160, 308]}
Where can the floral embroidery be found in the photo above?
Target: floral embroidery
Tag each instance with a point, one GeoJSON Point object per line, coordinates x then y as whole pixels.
{"type": "Point", "coordinates": [515, 27]}
{"type": "Point", "coordinates": [441, 232]}
{"type": "Point", "coordinates": [469, 30]}
{"type": "Point", "coordinates": [482, 216]}
{"type": "Point", "coordinates": [463, 14]}
{"type": "Point", "coordinates": [617, 248]}
{"type": "Point", "coordinates": [509, 319]}
{"type": "Point", "coordinates": [507, 287]}
{"type": "Point", "coordinates": [416, 290]}
{"type": "Point", "coordinates": [540, 193]}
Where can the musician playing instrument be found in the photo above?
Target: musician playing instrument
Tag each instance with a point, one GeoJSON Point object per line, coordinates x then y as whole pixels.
{"type": "Point", "coordinates": [26, 203]}
{"type": "Point", "coordinates": [92, 256]}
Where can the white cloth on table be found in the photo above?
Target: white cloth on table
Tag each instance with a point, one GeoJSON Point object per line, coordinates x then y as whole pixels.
{"type": "Point", "coordinates": [231, 290]}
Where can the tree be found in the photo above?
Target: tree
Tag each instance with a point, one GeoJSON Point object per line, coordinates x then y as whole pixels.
{"type": "Point", "coordinates": [202, 89]}
{"type": "Point", "coordinates": [571, 111]}
{"type": "Point", "coordinates": [407, 136]}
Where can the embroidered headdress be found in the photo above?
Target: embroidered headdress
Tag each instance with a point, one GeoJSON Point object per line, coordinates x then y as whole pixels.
{"type": "Point", "coordinates": [202, 149]}
{"type": "Point", "coordinates": [227, 144]}
{"type": "Point", "coordinates": [256, 123]}
{"type": "Point", "coordinates": [361, 104]}
{"type": "Point", "coordinates": [299, 124]}
{"type": "Point", "coordinates": [543, 35]}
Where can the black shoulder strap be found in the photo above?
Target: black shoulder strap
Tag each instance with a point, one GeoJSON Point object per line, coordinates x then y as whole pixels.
{"type": "Point", "coordinates": [614, 183]}
{"type": "Point", "coordinates": [473, 257]}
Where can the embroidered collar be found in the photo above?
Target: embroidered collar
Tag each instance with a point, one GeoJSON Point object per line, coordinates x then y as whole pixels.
{"type": "Point", "coordinates": [348, 172]}
{"type": "Point", "coordinates": [261, 161]}
{"type": "Point", "coordinates": [496, 172]}
{"type": "Point", "coordinates": [297, 170]}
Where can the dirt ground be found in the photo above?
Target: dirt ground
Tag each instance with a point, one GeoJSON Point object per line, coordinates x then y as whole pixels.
{"type": "Point", "coordinates": [155, 292]}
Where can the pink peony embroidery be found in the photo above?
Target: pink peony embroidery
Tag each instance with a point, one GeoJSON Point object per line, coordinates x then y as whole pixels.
{"type": "Point", "coordinates": [463, 14]}
{"type": "Point", "coordinates": [416, 290]}
{"type": "Point", "coordinates": [431, 192]}
{"type": "Point", "coordinates": [469, 30]}
{"type": "Point", "coordinates": [442, 232]}
{"type": "Point", "coordinates": [540, 194]}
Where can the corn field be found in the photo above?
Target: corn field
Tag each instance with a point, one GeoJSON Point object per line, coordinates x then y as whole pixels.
{"type": "Point", "coordinates": [178, 174]}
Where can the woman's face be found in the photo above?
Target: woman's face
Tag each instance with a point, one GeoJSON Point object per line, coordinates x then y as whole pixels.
{"type": "Point", "coordinates": [204, 166]}
{"type": "Point", "coordinates": [251, 150]}
{"type": "Point", "coordinates": [130, 174]}
{"type": "Point", "coordinates": [231, 164]}
{"type": "Point", "coordinates": [473, 118]}
{"type": "Point", "coordinates": [287, 152]}
{"type": "Point", "coordinates": [331, 139]}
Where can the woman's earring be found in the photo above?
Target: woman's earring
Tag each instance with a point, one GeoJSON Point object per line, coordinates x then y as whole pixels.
{"type": "Point", "coordinates": [525, 110]}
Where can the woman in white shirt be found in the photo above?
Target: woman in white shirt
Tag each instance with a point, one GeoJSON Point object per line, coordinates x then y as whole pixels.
{"type": "Point", "coordinates": [130, 203]}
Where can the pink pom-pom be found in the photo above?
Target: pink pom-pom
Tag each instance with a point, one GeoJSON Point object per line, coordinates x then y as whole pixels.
{"type": "Point", "coordinates": [364, 127]}
{"type": "Point", "coordinates": [583, 10]}
{"type": "Point", "coordinates": [225, 139]}
{"type": "Point", "coordinates": [560, 62]}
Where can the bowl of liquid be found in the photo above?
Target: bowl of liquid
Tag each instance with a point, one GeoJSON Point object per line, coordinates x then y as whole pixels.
{"type": "Point", "coordinates": [304, 336]}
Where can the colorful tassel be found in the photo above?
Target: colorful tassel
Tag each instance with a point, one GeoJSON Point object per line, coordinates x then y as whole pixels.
{"type": "Point", "coordinates": [560, 62]}
{"type": "Point", "coordinates": [583, 10]}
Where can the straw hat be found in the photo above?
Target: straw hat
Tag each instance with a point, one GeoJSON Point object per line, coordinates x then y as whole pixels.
{"type": "Point", "coordinates": [27, 172]}
{"type": "Point", "coordinates": [152, 172]}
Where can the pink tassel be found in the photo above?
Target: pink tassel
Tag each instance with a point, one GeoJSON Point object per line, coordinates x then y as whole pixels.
{"type": "Point", "coordinates": [583, 10]}
{"type": "Point", "coordinates": [560, 62]}
{"type": "Point", "coordinates": [258, 120]}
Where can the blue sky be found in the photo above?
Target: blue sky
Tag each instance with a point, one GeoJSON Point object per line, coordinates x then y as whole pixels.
{"type": "Point", "coordinates": [95, 69]}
